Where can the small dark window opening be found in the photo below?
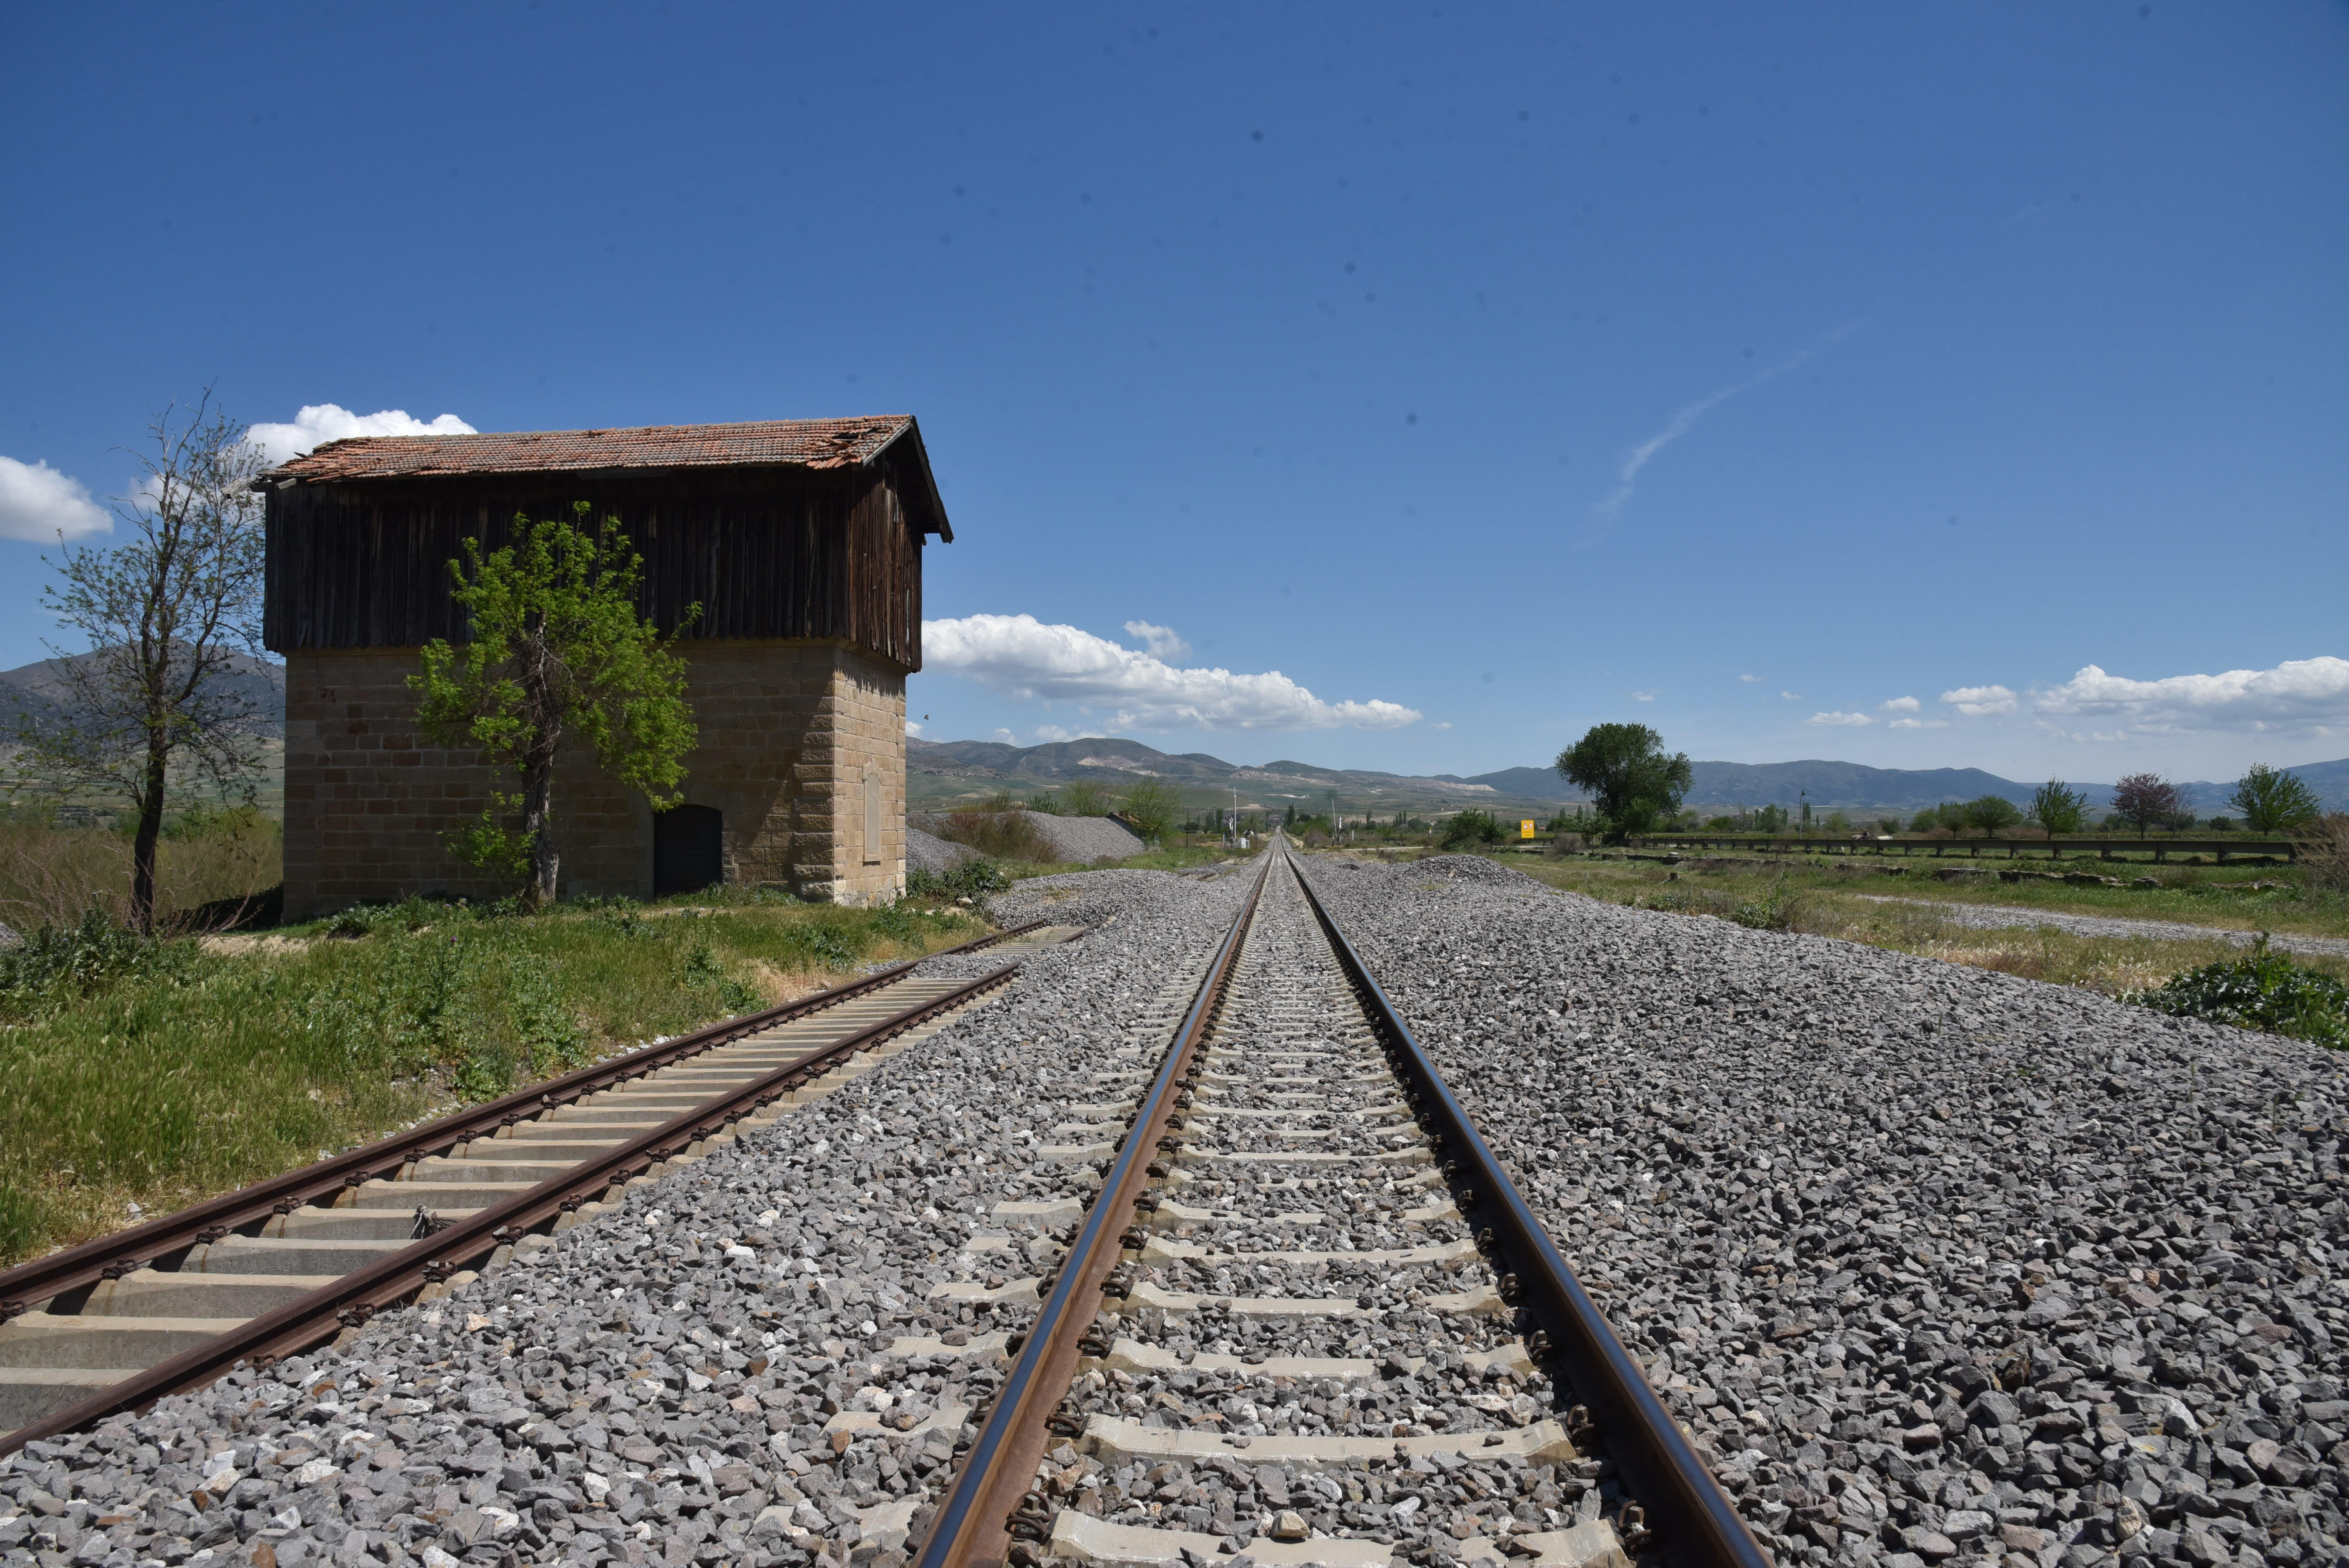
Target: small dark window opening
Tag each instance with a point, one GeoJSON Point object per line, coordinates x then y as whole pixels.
{"type": "Point", "coordinates": [688, 848]}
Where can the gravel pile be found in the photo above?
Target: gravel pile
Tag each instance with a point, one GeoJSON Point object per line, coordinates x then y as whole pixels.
{"type": "Point", "coordinates": [1085, 838]}
{"type": "Point", "coordinates": [927, 852]}
{"type": "Point", "coordinates": [1995, 917]}
{"type": "Point", "coordinates": [767, 1357]}
{"type": "Point", "coordinates": [1938, 1264]}
{"type": "Point", "coordinates": [1081, 839]}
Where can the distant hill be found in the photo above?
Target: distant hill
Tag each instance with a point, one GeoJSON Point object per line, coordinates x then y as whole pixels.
{"type": "Point", "coordinates": [1851, 786]}
{"type": "Point", "coordinates": [37, 689]}
{"type": "Point", "coordinates": [940, 773]}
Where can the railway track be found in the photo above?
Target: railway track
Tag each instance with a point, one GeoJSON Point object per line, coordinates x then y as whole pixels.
{"type": "Point", "coordinates": [285, 1264]}
{"type": "Point", "coordinates": [1308, 1305]}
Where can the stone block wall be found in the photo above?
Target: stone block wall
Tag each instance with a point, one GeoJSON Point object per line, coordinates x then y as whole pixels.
{"type": "Point", "coordinates": [789, 733]}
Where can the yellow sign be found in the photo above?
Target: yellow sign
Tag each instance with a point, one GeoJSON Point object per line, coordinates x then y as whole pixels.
{"type": "Point", "coordinates": [1524, 826]}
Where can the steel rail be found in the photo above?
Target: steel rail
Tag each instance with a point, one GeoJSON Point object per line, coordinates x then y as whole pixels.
{"type": "Point", "coordinates": [350, 1300]}
{"type": "Point", "coordinates": [124, 1251]}
{"type": "Point", "coordinates": [973, 1524]}
{"type": "Point", "coordinates": [1693, 1522]}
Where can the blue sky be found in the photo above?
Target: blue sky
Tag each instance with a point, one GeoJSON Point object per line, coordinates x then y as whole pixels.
{"type": "Point", "coordinates": [1486, 372]}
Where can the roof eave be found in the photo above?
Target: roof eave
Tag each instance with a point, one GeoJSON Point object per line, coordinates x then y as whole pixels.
{"type": "Point", "coordinates": [930, 500]}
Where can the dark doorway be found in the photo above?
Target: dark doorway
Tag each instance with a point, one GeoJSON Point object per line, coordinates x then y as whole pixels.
{"type": "Point", "coordinates": [688, 848]}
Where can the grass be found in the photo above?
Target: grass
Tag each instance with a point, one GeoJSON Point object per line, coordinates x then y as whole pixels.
{"type": "Point", "coordinates": [207, 860]}
{"type": "Point", "coordinates": [1826, 904]}
{"type": "Point", "coordinates": [154, 1074]}
{"type": "Point", "coordinates": [2274, 898]}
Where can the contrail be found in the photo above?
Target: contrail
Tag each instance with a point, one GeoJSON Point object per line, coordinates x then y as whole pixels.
{"type": "Point", "coordinates": [1627, 477]}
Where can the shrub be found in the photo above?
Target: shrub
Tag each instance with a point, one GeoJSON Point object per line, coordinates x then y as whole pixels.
{"type": "Point", "coordinates": [972, 879]}
{"type": "Point", "coordinates": [1470, 829]}
{"type": "Point", "coordinates": [59, 964]}
{"type": "Point", "coordinates": [2261, 990]}
{"type": "Point", "coordinates": [1002, 835]}
{"type": "Point", "coordinates": [2324, 851]}
{"type": "Point", "coordinates": [1990, 814]}
{"type": "Point", "coordinates": [1782, 911]}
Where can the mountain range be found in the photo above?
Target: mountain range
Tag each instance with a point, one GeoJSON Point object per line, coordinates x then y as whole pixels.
{"type": "Point", "coordinates": [939, 773]}
{"type": "Point", "coordinates": [35, 691]}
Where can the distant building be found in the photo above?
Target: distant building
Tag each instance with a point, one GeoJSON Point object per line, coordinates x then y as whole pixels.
{"type": "Point", "coordinates": [801, 541]}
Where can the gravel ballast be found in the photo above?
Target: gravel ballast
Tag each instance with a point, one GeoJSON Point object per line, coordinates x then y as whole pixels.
{"type": "Point", "coordinates": [703, 1373]}
{"type": "Point", "coordinates": [1938, 1263]}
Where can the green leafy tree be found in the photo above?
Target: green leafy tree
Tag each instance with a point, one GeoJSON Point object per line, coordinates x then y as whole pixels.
{"type": "Point", "coordinates": [2058, 808]}
{"type": "Point", "coordinates": [1151, 806]}
{"type": "Point", "coordinates": [556, 651]}
{"type": "Point", "coordinates": [2274, 801]}
{"type": "Point", "coordinates": [1990, 814]}
{"type": "Point", "coordinates": [1631, 782]}
{"type": "Point", "coordinates": [1085, 797]}
{"type": "Point", "coordinates": [173, 616]}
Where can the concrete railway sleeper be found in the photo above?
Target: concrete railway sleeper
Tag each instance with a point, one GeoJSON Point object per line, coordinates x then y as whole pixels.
{"type": "Point", "coordinates": [1308, 1319]}
{"type": "Point", "coordinates": [285, 1264]}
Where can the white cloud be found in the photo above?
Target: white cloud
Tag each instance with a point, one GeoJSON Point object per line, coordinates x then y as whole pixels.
{"type": "Point", "coordinates": [1749, 679]}
{"type": "Point", "coordinates": [1976, 701]}
{"type": "Point", "coordinates": [1024, 657]}
{"type": "Point", "coordinates": [321, 422]}
{"type": "Point", "coordinates": [1048, 733]}
{"type": "Point", "coordinates": [1842, 720]}
{"type": "Point", "coordinates": [1161, 641]}
{"type": "Point", "coordinates": [1919, 724]}
{"type": "Point", "coordinates": [1900, 705]}
{"type": "Point", "coordinates": [1643, 697]}
{"type": "Point", "coordinates": [1792, 696]}
{"type": "Point", "coordinates": [38, 504]}
{"type": "Point", "coordinates": [2297, 694]}
{"type": "Point", "coordinates": [913, 729]}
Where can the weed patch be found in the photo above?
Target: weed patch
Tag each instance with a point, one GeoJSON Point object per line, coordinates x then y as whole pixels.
{"type": "Point", "coordinates": [2259, 990]}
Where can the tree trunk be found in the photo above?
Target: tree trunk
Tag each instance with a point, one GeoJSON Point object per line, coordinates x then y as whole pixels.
{"type": "Point", "coordinates": [537, 802]}
{"type": "Point", "coordinates": [142, 847]}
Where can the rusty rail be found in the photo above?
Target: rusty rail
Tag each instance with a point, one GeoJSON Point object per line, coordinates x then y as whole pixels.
{"type": "Point", "coordinates": [124, 1251]}
{"type": "Point", "coordinates": [971, 1526]}
{"type": "Point", "coordinates": [352, 1299]}
{"type": "Point", "coordinates": [1693, 1522]}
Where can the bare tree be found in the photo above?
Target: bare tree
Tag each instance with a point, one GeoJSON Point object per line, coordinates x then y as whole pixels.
{"type": "Point", "coordinates": [167, 614]}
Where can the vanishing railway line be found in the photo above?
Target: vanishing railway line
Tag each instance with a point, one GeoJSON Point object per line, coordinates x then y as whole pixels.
{"type": "Point", "coordinates": [1298, 1209]}
{"type": "Point", "coordinates": [284, 1264]}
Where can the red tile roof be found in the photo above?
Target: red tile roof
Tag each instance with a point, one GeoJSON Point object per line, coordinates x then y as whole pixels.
{"type": "Point", "coordinates": [796, 443]}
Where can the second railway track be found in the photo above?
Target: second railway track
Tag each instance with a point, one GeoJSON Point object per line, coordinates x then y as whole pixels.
{"type": "Point", "coordinates": [279, 1266]}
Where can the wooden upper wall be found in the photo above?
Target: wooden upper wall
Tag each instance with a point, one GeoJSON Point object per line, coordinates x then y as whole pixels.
{"type": "Point", "coordinates": [359, 557]}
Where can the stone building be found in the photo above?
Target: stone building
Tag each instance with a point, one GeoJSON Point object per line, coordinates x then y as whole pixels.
{"type": "Point", "coordinates": [800, 540]}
